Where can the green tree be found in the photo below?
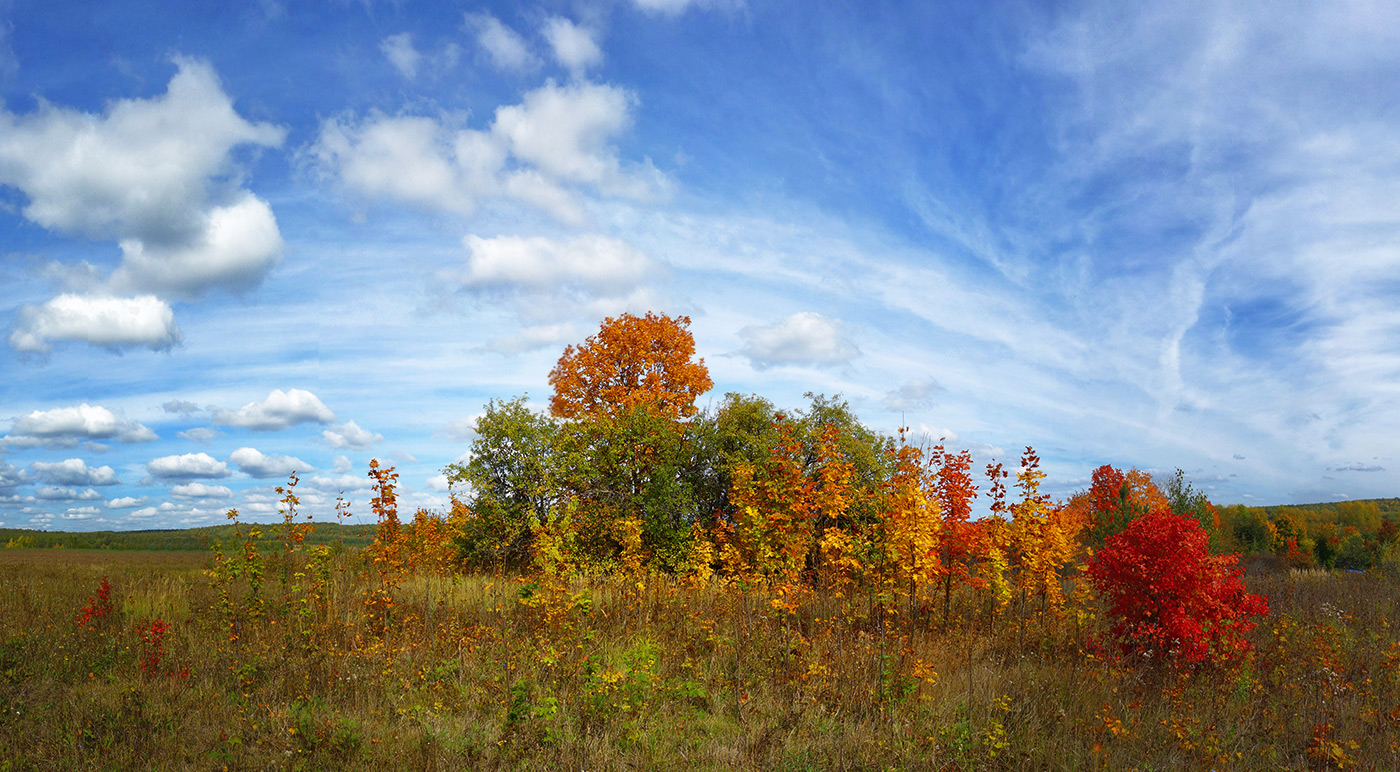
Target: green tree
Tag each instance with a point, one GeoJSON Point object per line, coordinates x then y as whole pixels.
{"type": "Point", "coordinates": [510, 483]}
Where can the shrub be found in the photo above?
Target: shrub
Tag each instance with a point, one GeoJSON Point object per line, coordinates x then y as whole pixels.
{"type": "Point", "coordinates": [1168, 596]}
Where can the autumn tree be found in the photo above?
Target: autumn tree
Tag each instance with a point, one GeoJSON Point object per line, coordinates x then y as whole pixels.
{"type": "Point", "coordinates": [1168, 596]}
{"type": "Point", "coordinates": [961, 539]}
{"type": "Point", "coordinates": [633, 361]}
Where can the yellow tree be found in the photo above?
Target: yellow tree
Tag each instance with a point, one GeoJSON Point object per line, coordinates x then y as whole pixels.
{"type": "Point", "coordinates": [911, 520]}
{"type": "Point", "coordinates": [1044, 538]}
{"type": "Point", "coordinates": [773, 529]}
{"type": "Point", "coordinates": [632, 361]}
{"type": "Point", "coordinates": [832, 497]}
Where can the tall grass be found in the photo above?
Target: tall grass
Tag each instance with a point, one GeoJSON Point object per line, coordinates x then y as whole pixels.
{"type": "Point", "coordinates": [485, 672]}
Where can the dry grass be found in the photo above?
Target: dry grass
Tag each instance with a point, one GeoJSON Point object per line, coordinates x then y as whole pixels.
{"type": "Point", "coordinates": [466, 676]}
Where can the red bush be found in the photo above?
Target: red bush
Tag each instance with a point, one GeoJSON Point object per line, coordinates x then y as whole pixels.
{"type": "Point", "coordinates": [98, 609]}
{"type": "Point", "coordinates": [1168, 596]}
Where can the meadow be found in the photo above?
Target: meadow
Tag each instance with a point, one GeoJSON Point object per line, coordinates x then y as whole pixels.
{"type": "Point", "coordinates": [308, 666]}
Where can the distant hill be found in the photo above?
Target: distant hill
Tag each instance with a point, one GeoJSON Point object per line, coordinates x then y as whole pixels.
{"type": "Point", "coordinates": [1387, 508]}
{"type": "Point", "coordinates": [176, 539]}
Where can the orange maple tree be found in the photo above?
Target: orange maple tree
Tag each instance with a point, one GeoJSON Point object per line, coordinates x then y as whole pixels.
{"type": "Point", "coordinates": [632, 361]}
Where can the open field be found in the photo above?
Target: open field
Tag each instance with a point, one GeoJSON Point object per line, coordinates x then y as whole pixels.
{"type": "Point", "coordinates": [459, 672]}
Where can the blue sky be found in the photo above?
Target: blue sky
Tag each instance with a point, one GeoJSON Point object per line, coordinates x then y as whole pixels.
{"type": "Point", "coordinates": [241, 238]}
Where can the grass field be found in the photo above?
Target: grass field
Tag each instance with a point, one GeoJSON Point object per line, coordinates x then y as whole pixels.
{"type": "Point", "coordinates": [478, 672]}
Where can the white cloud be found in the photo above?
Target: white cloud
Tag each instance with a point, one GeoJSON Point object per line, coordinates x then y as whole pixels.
{"type": "Point", "coordinates": [200, 434]}
{"type": "Point", "coordinates": [411, 159]}
{"type": "Point", "coordinates": [73, 471]}
{"type": "Point", "coordinates": [279, 411]}
{"type": "Point", "coordinates": [553, 280]}
{"type": "Point", "coordinates": [558, 136]}
{"type": "Point", "coordinates": [255, 464]}
{"type": "Point", "coordinates": [198, 490]}
{"type": "Point", "coordinates": [564, 131]}
{"type": "Point", "coordinates": [350, 435]}
{"type": "Point", "coordinates": [461, 429]}
{"type": "Point", "coordinates": [12, 476]}
{"type": "Point", "coordinates": [142, 173]}
{"type": "Point", "coordinates": [339, 482]}
{"type": "Point", "coordinates": [596, 262]}
{"type": "Point", "coordinates": [399, 50]}
{"type": "Point", "coordinates": [186, 467]}
{"type": "Point", "coordinates": [67, 426]}
{"type": "Point", "coordinates": [912, 395]}
{"type": "Point", "coordinates": [503, 46]}
{"type": "Point", "coordinates": [55, 493]}
{"type": "Point", "coordinates": [234, 249]}
{"type": "Point", "coordinates": [574, 47]}
{"type": "Point", "coordinates": [806, 338]}
{"type": "Point", "coordinates": [125, 502]}
{"type": "Point", "coordinates": [109, 322]}
{"type": "Point", "coordinates": [439, 484]}
{"type": "Point", "coordinates": [341, 465]}
{"type": "Point", "coordinates": [181, 407]}
{"type": "Point", "coordinates": [534, 337]}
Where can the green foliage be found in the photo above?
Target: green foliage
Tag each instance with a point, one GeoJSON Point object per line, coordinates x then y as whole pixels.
{"type": "Point", "coordinates": [510, 482]}
{"type": "Point", "coordinates": [1189, 502]}
{"type": "Point", "coordinates": [1355, 554]}
{"type": "Point", "coordinates": [1251, 529]}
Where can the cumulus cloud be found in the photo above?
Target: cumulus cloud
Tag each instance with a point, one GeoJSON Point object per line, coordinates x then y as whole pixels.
{"type": "Point", "coordinates": [503, 46]}
{"type": "Point", "coordinates": [73, 471]}
{"type": "Point", "coordinates": [341, 465]}
{"type": "Point", "coordinates": [912, 395]}
{"type": "Point", "coordinates": [559, 138]}
{"type": "Point", "coordinates": [565, 132]}
{"type": "Point", "coordinates": [109, 322]}
{"type": "Point", "coordinates": [439, 484]}
{"type": "Point", "coordinates": [411, 159]}
{"type": "Point", "coordinates": [181, 407]}
{"type": "Point", "coordinates": [574, 47]}
{"type": "Point", "coordinates": [280, 410]}
{"type": "Point", "coordinates": [350, 435]}
{"type": "Point", "coordinates": [125, 502]}
{"type": "Point", "coordinates": [595, 262]}
{"type": "Point", "coordinates": [198, 490]}
{"type": "Point", "coordinates": [67, 426]}
{"type": "Point", "coordinates": [234, 249]}
{"type": "Point", "coordinates": [12, 476]}
{"type": "Point", "coordinates": [806, 338]}
{"type": "Point", "coordinates": [59, 493]}
{"type": "Point", "coordinates": [144, 173]}
{"type": "Point", "coordinates": [256, 464]}
{"type": "Point", "coordinates": [399, 50]}
{"type": "Point", "coordinates": [200, 434]}
{"type": "Point", "coordinates": [188, 466]}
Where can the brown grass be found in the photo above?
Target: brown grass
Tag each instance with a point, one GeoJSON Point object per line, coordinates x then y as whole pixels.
{"type": "Point", "coordinates": [466, 676]}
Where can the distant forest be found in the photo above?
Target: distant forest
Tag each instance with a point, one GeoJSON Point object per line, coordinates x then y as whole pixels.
{"type": "Point", "coordinates": [190, 539]}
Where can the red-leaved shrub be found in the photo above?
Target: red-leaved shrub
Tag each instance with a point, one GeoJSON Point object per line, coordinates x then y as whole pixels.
{"type": "Point", "coordinates": [1168, 596]}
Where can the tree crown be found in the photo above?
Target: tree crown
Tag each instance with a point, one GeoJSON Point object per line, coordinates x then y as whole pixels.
{"type": "Point", "coordinates": [632, 361]}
